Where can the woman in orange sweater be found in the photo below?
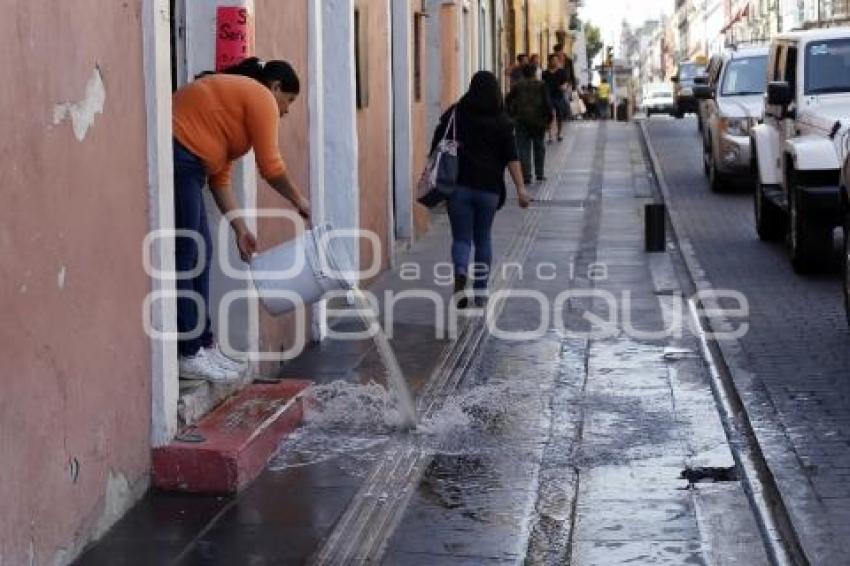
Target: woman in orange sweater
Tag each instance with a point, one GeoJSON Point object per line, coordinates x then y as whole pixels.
{"type": "Point", "coordinates": [216, 120]}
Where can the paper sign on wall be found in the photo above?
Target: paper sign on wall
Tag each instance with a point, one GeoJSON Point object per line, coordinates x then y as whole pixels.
{"type": "Point", "coordinates": [234, 39]}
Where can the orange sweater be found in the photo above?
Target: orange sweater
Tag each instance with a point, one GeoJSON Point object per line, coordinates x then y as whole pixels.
{"type": "Point", "coordinates": [220, 118]}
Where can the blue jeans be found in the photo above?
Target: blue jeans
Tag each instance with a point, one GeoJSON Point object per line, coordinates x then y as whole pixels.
{"type": "Point", "coordinates": [190, 177]}
{"type": "Point", "coordinates": [530, 142]}
{"type": "Point", "coordinates": [471, 213]}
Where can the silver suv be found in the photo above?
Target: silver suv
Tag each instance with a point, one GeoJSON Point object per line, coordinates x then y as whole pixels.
{"type": "Point", "coordinates": [731, 104]}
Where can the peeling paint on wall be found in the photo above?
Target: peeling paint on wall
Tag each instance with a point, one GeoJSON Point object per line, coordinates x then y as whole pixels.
{"type": "Point", "coordinates": [82, 113]}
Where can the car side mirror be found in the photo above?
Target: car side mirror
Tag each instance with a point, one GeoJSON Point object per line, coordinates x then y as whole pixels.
{"type": "Point", "coordinates": [674, 79]}
{"type": "Point", "coordinates": [779, 93]}
{"type": "Point", "coordinates": [703, 92]}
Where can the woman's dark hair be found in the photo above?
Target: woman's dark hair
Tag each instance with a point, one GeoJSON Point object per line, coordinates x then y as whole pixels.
{"type": "Point", "coordinates": [268, 72]}
{"type": "Point", "coordinates": [484, 95]}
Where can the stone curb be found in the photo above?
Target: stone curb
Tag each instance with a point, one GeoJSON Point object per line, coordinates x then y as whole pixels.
{"type": "Point", "coordinates": [782, 470]}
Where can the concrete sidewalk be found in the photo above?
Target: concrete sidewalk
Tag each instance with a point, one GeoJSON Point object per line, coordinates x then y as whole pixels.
{"type": "Point", "coordinates": [550, 448]}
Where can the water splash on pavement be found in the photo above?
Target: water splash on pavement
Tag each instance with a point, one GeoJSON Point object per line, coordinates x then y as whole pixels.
{"type": "Point", "coordinates": [348, 422]}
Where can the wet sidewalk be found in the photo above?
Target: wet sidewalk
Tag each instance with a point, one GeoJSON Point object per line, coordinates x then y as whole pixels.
{"type": "Point", "coordinates": [539, 442]}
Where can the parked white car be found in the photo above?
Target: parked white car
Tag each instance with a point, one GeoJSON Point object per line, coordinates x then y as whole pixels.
{"type": "Point", "coordinates": [658, 99]}
{"type": "Point", "coordinates": [731, 104]}
{"type": "Point", "coordinates": [802, 144]}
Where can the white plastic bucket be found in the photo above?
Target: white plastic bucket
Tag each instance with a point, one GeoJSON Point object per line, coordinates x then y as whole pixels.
{"type": "Point", "coordinates": [309, 266]}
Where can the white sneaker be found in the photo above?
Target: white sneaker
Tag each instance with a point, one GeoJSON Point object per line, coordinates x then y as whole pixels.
{"type": "Point", "coordinates": [222, 360]}
{"type": "Point", "coordinates": [200, 366]}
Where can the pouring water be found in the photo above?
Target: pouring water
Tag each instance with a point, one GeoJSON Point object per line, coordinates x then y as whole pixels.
{"type": "Point", "coordinates": [324, 267]}
{"type": "Point", "coordinates": [395, 377]}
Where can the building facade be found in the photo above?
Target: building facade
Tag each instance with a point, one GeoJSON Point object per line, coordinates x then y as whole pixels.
{"type": "Point", "coordinates": [91, 380]}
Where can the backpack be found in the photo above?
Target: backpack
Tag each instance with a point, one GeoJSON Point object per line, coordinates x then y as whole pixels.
{"type": "Point", "coordinates": [527, 105]}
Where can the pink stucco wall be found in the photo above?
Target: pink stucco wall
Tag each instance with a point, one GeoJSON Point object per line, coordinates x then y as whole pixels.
{"type": "Point", "coordinates": [450, 55]}
{"type": "Point", "coordinates": [373, 130]}
{"type": "Point", "coordinates": [76, 368]}
{"type": "Point", "coordinates": [281, 33]}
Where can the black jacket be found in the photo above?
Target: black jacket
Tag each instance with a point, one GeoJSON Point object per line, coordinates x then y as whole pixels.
{"type": "Point", "coordinates": [487, 145]}
{"type": "Point", "coordinates": [530, 106]}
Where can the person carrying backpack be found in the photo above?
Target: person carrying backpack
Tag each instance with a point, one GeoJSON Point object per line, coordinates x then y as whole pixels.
{"type": "Point", "coordinates": [531, 109]}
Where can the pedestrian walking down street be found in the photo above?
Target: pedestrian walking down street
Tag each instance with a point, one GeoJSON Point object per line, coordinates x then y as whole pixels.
{"type": "Point", "coordinates": [566, 63]}
{"type": "Point", "coordinates": [603, 104]}
{"type": "Point", "coordinates": [534, 61]}
{"type": "Point", "coordinates": [515, 73]}
{"type": "Point", "coordinates": [216, 119]}
{"type": "Point", "coordinates": [529, 105]}
{"type": "Point", "coordinates": [487, 147]}
{"type": "Point", "coordinates": [557, 83]}
{"type": "Point", "coordinates": [591, 102]}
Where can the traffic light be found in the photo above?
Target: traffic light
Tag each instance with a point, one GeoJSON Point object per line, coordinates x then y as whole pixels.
{"type": "Point", "coordinates": [609, 56]}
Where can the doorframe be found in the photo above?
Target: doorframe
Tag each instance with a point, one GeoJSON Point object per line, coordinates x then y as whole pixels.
{"type": "Point", "coordinates": [156, 34]}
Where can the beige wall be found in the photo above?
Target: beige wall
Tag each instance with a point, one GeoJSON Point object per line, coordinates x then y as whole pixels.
{"type": "Point", "coordinates": [373, 130]}
{"type": "Point", "coordinates": [536, 27]}
{"type": "Point", "coordinates": [281, 33]}
{"type": "Point", "coordinates": [76, 362]}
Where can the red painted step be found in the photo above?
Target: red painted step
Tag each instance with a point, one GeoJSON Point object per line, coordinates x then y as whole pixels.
{"type": "Point", "coordinates": [233, 443]}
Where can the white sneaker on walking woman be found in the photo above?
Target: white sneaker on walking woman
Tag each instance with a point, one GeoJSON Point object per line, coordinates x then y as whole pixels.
{"type": "Point", "coordinates": [200, 366]}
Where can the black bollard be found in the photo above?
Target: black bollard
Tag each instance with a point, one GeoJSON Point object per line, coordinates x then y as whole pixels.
{"type": "Point", "coordinates": [654, 221]}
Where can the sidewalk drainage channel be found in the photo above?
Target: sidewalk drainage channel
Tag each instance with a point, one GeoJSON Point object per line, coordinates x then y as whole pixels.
{"type": "Point", "coordinates": [778, 533]}
{"type": "Point", "coordinates": [551, 539]}
{"type": "Point", "coordinates": [566, 203]}
{"type": "Point", "coordinates": [364, 529]}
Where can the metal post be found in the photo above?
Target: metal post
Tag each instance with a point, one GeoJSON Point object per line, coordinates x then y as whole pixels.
{"type": "Point", "coordinates": [654, 228]}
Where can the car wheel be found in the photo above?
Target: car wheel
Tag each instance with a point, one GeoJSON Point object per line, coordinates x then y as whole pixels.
{"type": "Point", "coordinates": [706, 155]}
{"type": "Point", "coordinates": [716, 180]}
{"type": "Point", "coordinates": [810, 245]}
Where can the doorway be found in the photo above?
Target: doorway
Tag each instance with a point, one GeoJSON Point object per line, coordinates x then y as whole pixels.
{"type": "Point", "coordinates": [161, 60]}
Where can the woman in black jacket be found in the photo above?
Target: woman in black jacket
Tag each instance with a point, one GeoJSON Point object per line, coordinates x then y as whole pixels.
{"type": "Point", "coordinates": [487, 147]}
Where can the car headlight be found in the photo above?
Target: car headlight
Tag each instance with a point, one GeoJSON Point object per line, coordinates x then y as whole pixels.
{"type": "Point", "coordinates": [687, 91]}
{"type": "Point", "coordinates": [736, 126]}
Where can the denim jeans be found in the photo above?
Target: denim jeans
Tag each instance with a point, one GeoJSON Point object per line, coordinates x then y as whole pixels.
{"type": "Point", "coordinates": [529, 141]}
{"type": "Point", "coordinates": [471, 213]}
{"type": "Point", "coordinates": [190, 177]}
